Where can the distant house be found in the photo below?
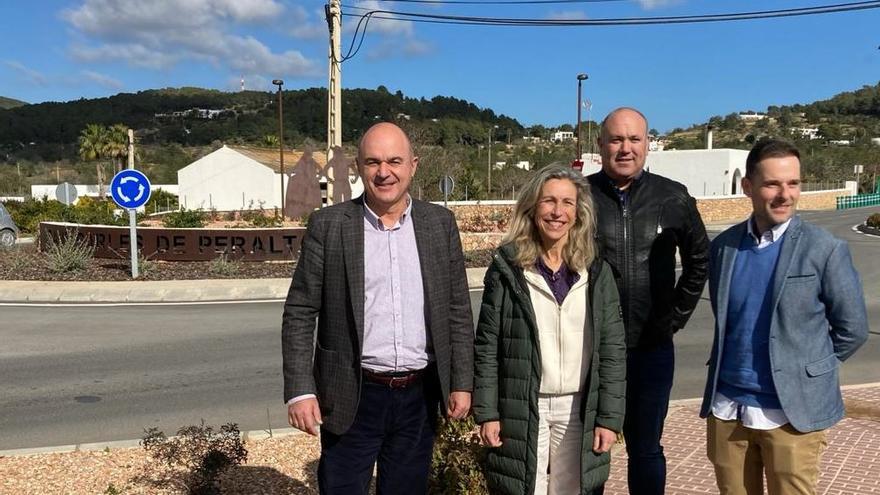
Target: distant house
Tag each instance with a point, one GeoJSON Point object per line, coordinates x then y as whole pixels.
{"type": "Point", "coordinates": [239, 177]}
{"type": "Point", "coordinates": [840, 142]}
{"type": "Point", "coordinates": [560, 136]}
{"type": "Point", "coordinates": [806, 132]}
{"type": "Point", "coordinates": [752, 116]}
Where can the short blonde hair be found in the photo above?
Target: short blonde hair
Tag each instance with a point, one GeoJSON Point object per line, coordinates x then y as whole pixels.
{"type": "Point", "coordinates": [580, 250]}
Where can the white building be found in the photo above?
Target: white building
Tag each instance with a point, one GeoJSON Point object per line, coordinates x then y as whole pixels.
{"type": "Point", "coordinates": [560, 136]}
{"type": "Point", "coordinates": [806, 132]}
{"type": "Point", "coordinates": [235, 178]}
{"type": "Point", "coordinates": [752, 116]}
{"type": "Point", "coordinates": [715, 172]}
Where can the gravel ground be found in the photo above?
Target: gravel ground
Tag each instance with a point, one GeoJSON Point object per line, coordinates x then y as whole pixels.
{"type": "Point", "coordinates": [24, 262]}
{"type": "Point", "coordinates": [276, 465]}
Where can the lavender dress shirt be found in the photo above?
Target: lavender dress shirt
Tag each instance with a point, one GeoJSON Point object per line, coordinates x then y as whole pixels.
{"type": "Point", "coordinates": [395, 334]}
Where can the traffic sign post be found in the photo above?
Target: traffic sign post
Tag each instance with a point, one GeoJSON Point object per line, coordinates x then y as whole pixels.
{"type": "Point", "coordinates": [66, 193]}
{"type": "Point", "coordinates": [130, 189]}
{"type": "Point", "coordinates": [447, 185]}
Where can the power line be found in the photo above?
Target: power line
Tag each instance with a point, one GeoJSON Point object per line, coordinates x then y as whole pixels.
{"type": "Point", "coordinates": [500, 2]}
{"type": "Point", "coordinates": [621, 21]}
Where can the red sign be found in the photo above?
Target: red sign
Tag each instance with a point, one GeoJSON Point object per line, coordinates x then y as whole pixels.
{"type": "Point", "coordinates": [578, 165]}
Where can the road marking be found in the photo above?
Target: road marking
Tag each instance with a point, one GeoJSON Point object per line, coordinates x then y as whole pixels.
{"type": "Point", "coordinates": [857, 231]}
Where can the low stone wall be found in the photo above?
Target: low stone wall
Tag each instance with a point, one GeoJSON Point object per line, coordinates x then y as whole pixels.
{"type": "Point", "coordinates": [736, 208]}
{"type": "Point", "coordinates": [482, 225]}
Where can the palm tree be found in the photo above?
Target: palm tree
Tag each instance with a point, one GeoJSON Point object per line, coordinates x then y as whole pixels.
{"type": "Point", "coordinates": [116, 145]}
{"type": "Point", "coordinates": [92, 143]}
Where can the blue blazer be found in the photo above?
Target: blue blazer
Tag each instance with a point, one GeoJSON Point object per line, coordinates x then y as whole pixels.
{"type": "Point", "coordinates": [818, 320]}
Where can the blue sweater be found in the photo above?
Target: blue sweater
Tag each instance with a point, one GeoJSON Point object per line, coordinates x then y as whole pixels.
{"type": "Point", "coordinates": [745, 363]}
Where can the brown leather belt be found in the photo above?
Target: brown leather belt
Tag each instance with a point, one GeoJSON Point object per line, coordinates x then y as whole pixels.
{"type": "Point", "coordinates": [393, 380]}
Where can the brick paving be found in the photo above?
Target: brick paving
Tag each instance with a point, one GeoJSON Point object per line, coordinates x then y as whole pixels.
{"type": "Point", "coordinates": [850, 465]}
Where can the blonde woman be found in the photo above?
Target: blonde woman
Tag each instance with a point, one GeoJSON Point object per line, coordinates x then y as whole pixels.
{"type": "Point", "coordinates": [549, 391]}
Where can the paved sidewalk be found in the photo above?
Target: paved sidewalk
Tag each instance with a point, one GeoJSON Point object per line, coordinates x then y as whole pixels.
{"type": "Point", "coordinates": [850, 465]}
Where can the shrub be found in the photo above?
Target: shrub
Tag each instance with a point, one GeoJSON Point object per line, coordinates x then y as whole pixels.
{"type": "Point", "coordinates": [258, 218]}
{"type": "Point", "coordinates": [161, 200]}
{"type": "Point", "coordinates": [71, 253]}
{"type": "Point", "coordinates": [457, 460]}
{"type": "Point", "coordinates": [873, 221]}
{"type": "Point", "coordinates": [221, 266]}
{"type": "Point", "coordinates": [184, 219]}
{"type": "Point", "coordinates": [202, 453]}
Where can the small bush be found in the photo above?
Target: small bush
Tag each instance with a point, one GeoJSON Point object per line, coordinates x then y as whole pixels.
{"type": "Point", "coordinates": [202, 453]}
{"type": "Point", "coordinates": [71, 253]}
{"type": "Point", "coordinates": [258, 218]}
{"type": "Point", "coordinates": [184, 219]}
{"type": "Point", "coordinates": [221, 266]}
{"type": "Point", "coordinates": [873, 221]}
{"type": "Point", "coordinates": [457, 460]}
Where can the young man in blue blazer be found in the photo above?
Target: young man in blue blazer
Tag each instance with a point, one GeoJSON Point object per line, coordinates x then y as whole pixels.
{"type": "Point", "coordinates": [789, 309]}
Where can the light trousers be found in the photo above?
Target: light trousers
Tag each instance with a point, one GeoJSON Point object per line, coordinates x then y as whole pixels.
{"type": "Point", "coordinates": [742, 457]}
{"type": "Point", "coordinates": [560, 436]}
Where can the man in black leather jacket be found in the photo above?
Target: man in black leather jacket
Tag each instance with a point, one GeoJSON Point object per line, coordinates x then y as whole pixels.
{"type": "Point", "coordinates": [642, 219]}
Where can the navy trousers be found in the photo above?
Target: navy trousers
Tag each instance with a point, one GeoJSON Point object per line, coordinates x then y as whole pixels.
{"type": "Point", "coordinates": [648, 385]}
{"type": "Point", "coordinates": [394, 428]}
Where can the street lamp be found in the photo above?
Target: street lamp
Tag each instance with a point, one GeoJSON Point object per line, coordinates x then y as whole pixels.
{"type": "Point", "coordinates": [279, 83]}
{"type": "Point", "coordinates": [580, 77]}
{"type": "Point", "coordinates": [489, 165]}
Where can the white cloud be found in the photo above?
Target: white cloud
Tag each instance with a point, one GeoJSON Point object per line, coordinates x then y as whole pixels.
{"type": "Point", "coordinates": [304, 27]}
{"type": "Point", "coordinates": [30, 75]}
{"type": "Point", "coordinates": [417, 48]}
{"type": "Point", "coordinates": [656, 4]}
{"type": "Point", "coordinates": [387, 38]}
{"type": "Point", "coordinates": [386, 27]}
{"type": "Point", "coordinates": [162, 33]}
{"type": "Point", "coordinates": [102, 80]}
{"type": "Point", "coordinates": [567, 15]}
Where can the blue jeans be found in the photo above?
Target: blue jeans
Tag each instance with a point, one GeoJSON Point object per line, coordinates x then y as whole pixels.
{"type": "Point", "coordinates": [394, 427]}
{"type": "Point", "coordinates": [648, 385]}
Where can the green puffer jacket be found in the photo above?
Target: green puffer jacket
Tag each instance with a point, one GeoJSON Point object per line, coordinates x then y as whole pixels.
{"type": "Point", "coordinates": [508, 374]}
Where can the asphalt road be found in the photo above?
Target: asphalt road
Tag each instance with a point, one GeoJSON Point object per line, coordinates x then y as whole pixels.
{"type": "Point", "coordinates": [91, 374]}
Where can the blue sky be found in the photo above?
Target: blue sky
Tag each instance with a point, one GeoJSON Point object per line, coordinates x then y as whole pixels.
{"type": "Point", "coordinates": [59, 50]}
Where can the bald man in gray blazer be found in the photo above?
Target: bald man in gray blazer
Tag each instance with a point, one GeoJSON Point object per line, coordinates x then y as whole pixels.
{"type": "Point", "coordinates": [383, 278]}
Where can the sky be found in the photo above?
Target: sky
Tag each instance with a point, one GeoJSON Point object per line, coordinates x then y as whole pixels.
{"type": "Point", "coordinates": [678, 75]}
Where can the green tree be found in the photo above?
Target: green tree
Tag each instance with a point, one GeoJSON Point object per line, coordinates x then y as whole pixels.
{"type": "Point", "coordinates": [92, 146]}
{"type": "Point", "coordinates": [116, 145]}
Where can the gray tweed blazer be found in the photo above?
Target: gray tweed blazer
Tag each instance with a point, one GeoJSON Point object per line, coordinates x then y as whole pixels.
{"type": "Point", "coordinates": [328, 288]}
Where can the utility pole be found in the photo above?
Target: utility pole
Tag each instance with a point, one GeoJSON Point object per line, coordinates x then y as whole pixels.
{"type": "Point", "coordinates": [333, 12]}
{"type": "Point", "coordinates": [489, 164]}
{"type": "Point", "coordinates": [580, 79]}
{"type": "Point", "coordinates": [279, 83]}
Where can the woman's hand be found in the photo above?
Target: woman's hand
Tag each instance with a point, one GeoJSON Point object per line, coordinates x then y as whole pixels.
{"type": "Point", "coordinates": [603, 439]}
{"type": "Point", "coordinates": [490, 432]}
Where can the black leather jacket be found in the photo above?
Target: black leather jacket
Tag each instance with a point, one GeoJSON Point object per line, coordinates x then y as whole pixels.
{"type": "Point", "coordinates": [638, 237]}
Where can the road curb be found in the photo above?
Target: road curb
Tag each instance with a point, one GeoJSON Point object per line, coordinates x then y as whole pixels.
{"type": "Point", "coordinates": [166, 291]}
{"type": "Point", "coordinates": [246, 436]}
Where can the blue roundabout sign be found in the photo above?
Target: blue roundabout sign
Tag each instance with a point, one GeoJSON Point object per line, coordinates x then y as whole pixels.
{"type": "Point", "coordinates": [130, 189]}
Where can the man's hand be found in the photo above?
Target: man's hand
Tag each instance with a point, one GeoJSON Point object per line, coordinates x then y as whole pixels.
{"type": "Point", "coordinates": [305, 415]}
{"type": "Point", "coordinates": [458, 405]}
{"type": "Point", "coordinates": [603, 439]}
{"type": "Point", "coordinates": [490, 432]}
